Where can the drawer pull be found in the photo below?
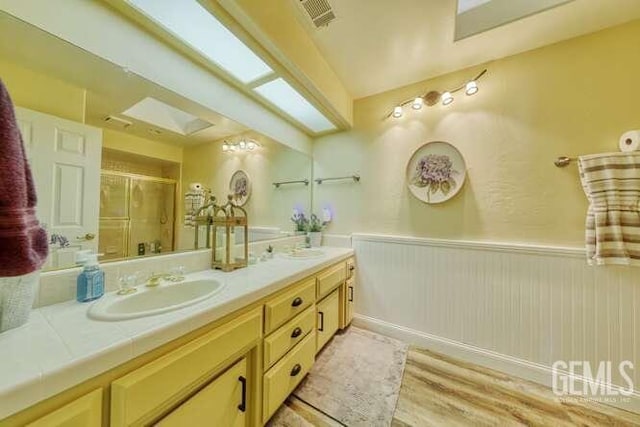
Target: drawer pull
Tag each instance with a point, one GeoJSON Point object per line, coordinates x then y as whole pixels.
{"type": "Point", "coordinates": [296, 332]}
{"type": "Point", "coordinates": [296, 302]}
{"type": "Point", "coordinates": [243, 406]}
{"type": "Point", "coordinates": [352, 267]}
{"type": "Point", "coordinates": [296, 370]}
{"type": "Point", "coordinates": [350, 293]}
{"type": "Point", "coordinates": [321, 327]}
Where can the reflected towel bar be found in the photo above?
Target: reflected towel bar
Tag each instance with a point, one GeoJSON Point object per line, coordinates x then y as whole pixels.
{"type": "Point", "coordinates": [355, 178]}
{"type": "Point", "coordinates": [301, 181]}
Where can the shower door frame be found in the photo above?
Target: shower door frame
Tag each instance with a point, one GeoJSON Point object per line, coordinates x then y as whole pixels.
{"type": "Point", "coordinates": [132, 176]}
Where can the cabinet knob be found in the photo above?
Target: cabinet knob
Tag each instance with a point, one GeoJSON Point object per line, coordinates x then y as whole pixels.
{"type": "Point", "coordinates": [296, 302]}
{"type": "Point", "coordinates": [88, 236]}
{"type": "Point", "coordinates": [296, 332]}
{"type": "Point", "coordinates": [296, 370]}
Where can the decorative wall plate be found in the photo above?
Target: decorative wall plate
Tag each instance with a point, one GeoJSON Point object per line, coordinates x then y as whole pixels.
{"type": "Point", "coordinates": [436, 172]}
{"type": "Point", "coordinates": [240, 187]}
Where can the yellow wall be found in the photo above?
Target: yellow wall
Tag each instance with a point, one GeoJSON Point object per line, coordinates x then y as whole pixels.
{"type": "Point", "coordinates": [144, 147]}
{"type": "Point", "coordinates": [575, 97]}
{"type": "Point", "coordinates": [41, 92]}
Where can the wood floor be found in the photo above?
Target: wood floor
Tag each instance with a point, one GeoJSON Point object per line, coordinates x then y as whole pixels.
{"type": "Point", "coordinates": [441, 391]}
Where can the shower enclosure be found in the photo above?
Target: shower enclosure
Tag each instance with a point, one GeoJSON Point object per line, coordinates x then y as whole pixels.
{"type": "Point", "coordinates": [136, 214]}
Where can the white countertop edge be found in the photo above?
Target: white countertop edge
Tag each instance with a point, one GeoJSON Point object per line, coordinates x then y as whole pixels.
{"type": "Point", "coordinates": [43, 383]}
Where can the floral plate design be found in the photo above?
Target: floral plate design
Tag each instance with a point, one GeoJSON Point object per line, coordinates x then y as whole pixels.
{"type": "Point", "coordinates": [436, 172]}
{"type": "Point", "coordinates": [240, 187]}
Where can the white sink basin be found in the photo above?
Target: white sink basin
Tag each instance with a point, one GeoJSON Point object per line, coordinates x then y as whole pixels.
{"type": "Point", "coordinates": [304, 254]}
{"type": "Point", "coordinates": [151, 301]}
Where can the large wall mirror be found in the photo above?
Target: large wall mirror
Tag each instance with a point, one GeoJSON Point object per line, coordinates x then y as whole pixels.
{"type": "Point", "coordinates": [121, 163]}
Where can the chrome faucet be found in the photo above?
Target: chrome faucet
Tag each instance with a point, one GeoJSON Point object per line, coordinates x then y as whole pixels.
{"type": "Point", "coordinates": [154, 279]}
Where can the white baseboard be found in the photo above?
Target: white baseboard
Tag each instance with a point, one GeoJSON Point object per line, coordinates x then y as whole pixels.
{"type": "Point", "coordinates": [537, 373]}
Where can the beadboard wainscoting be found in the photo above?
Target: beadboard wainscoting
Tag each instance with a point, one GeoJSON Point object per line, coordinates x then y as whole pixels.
{"type": "Point", "coordinates": [515, 308]}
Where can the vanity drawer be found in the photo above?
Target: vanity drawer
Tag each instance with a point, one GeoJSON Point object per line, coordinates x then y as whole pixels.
{"type": "Point", "coordinates": [285, 375]}
{"type": "Point", "coordinates": [284, 338]}
{"type": "Point", "coordinates": [330, 279]}
{"type": "Point", "coordinates": [140, 396]}
{"type": "Point", "coordinates": [284, 307]}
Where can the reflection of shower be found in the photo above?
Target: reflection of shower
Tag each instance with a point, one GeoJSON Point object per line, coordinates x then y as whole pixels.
{"type": "Point", "coordinates": [136, 214]}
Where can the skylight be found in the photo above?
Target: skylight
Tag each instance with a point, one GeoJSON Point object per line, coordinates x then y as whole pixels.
{"type": "Point", "coordinates": [464, 5]}
{"type": "Point", "coordinates": [193, 24]}
{"type": "Point", "coordinates": [477, 16]}
{"type": "Point", "coordinates": [162, 115]}
{"type": "Point", "coordinates": [283, 96]}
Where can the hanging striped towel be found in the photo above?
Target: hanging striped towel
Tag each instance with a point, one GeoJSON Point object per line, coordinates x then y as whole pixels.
{"type": "Point", "coordinates": [612, 185]}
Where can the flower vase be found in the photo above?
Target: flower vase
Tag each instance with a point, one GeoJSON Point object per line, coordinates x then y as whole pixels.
{"type": "Point", "coordinates": [315, 238]}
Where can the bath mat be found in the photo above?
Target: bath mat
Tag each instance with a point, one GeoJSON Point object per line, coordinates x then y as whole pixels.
{"type": "Point", "coordinates": [356, 378]}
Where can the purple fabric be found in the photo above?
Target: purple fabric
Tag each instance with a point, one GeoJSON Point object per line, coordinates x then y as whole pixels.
{"type": "Point", "coordinates": [23, 243]}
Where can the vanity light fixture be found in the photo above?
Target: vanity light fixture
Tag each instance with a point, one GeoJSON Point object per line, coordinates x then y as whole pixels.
{"type": "Point", "coordinates": [432, 98]}
{"type": "Point", "coordinates": [241, 146]}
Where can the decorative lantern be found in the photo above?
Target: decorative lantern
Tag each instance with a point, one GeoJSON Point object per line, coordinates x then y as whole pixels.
{"type": "Point", "coordinates": [230, 236]}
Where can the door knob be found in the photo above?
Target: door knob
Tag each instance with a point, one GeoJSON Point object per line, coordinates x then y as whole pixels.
{"type": "Point", "coordinates": [88, 236]}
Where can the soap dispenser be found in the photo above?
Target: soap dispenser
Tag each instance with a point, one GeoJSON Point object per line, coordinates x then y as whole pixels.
{"type": "Point", "coordinates": [90, 283]}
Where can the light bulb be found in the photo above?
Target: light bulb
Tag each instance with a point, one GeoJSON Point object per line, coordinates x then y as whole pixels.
{"type": "Point", "coordinates": [471, 88]}
{"type": "Point", "coordinates": [225, 147]}
{"type": "Point", "coordinates": [397, 112]}
{"type": "Point", "coordinates": [251, 145]}
{"type": "Point", "coordinates": [417, 103]}
{"type": "Point", "coordinates": [233, 147]}
{"type": "Point", "coordinates": [242, 145]}
{"type": "Point", "coordinates": [447, 98]}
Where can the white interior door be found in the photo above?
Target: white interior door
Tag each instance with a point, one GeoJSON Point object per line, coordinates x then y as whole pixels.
{"type": "Point", "coordinates": [65, 161]}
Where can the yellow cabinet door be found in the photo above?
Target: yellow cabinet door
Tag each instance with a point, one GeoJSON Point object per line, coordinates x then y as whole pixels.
{"type": "Point", "coordinates": [328, 318]}
{"type": "Point", "coordinates": [221, 403]}
{"type": "Point", "coordinates": [350, 291]}
{"type": "Point", "coordinates": [83, 412]}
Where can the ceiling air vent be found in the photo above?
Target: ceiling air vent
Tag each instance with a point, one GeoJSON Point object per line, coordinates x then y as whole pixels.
{"type": "Point", "coordinates": [319, 11]}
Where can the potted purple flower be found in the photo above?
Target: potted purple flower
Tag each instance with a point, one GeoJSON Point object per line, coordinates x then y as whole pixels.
{"type": "Point", "coordinates": [316, 225]}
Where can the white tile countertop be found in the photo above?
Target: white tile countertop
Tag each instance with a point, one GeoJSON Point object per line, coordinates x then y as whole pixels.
{"type": "Point", "coordinates": [61, 346]}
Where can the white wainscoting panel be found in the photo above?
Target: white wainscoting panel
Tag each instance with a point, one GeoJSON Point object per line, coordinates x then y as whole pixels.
{"type": "Point", "coordinates": [532, 304]}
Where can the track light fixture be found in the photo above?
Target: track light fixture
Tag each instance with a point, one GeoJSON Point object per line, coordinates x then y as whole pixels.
{"type": "Point", "coordinates": [242, 145]}
{"type": "Point", "coordinates": [433, 97]}
{"type": "Point", "coordinates": [447, 98]}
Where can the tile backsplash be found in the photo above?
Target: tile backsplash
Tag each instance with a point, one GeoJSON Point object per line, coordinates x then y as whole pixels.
{"type": "Point", "coordinates": [60, 286]}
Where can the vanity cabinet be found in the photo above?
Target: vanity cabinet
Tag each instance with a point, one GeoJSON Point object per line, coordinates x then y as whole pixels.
{"type": "Point", "coordinates": [148, 393]}
{"type": "Point", "coordinates": [85, 411]}
{"type": "Point", "coordinates": [223, 402]}
{"type": "Point", "coordinates": [328, 320]}
{"type": "Point", "coordinates": [236, 371]}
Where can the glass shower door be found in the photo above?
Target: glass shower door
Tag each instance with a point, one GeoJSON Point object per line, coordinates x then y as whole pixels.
{"type": "Point", "coordinates": [151, 213]}
{"type": "Point", "coordinates": [114, 216]}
